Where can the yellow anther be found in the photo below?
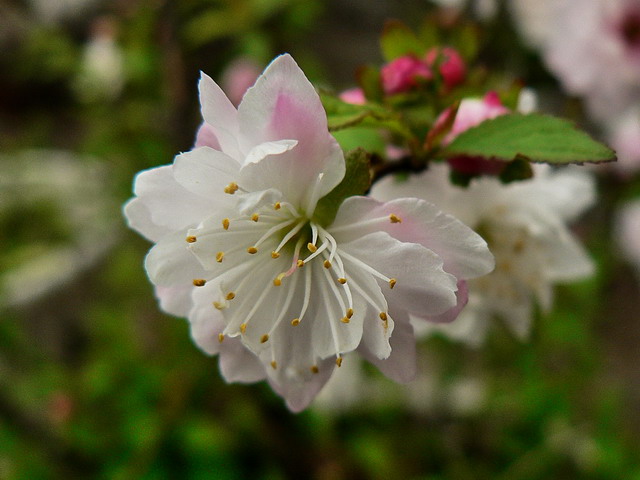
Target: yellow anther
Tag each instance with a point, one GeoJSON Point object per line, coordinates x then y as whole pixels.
{"type": "Point", "coordinates": [295, 322]}
{"type": "Point", "coordinates": [274, 364]}
{"type": "Point", "coordinates": [264, 338]}
{"type": "Point", "coordinates": [275, 255]}
{"type": "Point", "coordinates": [383, 316]}
{"type": "Point", "coordinates": [199, 282]}
{"type": "Point", "coordinates": [300, 263]}
{"type": "Point", "coordinates": [218, 305]}
{"type": "Point", "coordinates": [327, 264]}
{"type": "Point", "coordinates": [350, 313]}
{"type": "Point", "coordinates": [345, 320]}
{"type": "Point", "coordinates": [191, 239]}
{"type": "Point", "coordinates": [311, 247]}
{"type": "Point", "coordinates": [221, 337]}
{"type": "Point", "coordinates": [392, 283]}
{"type": "Point", "coordinates": [277, 206]}
{"type": "Point", "coordinates": [219, 257]}
{"type": "Point", "coordinates": [231, 188]}
{"type": "Point", "coordinates": [278, 280]}
{"type": "Point", "coordinates": [394, 218]}
{"type": "Point", "coordinates": [231, 296]}
{"type": "Point", "coordinates": [243, 328]}
{"type": "Point", "coordinates": [225, 224]}
{"type": "Point", "coordinates": [342, 280]}
{"type": "Point", "coordinates": [252, 250]}
{"type": "Point", "coordinates": [314, 369]}
{"type": "Point", "coordinates": [255, 217]}
{"type": "Point", "coordinates": [339, 361]}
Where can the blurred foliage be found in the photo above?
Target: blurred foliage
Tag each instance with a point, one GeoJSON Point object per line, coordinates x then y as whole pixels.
{"type": "Point", "coordinates": [97, 383]}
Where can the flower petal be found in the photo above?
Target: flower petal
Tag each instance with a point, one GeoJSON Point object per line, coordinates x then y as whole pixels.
{"type": "Point", "coordinates": [422, 286]}
{"type": "Point", "coordinates": [170, 206]}
{"type": "Point", "coordinates": [139, 218]}
{"type": "Point", "coordinates": [175, 300]}
{"type": "Point", "coordinates": [464, 252]}
{"type": "Point", "coordinates": [170, 263]}
{"type": "Point", "coordinates": [284, 105]}
{"type": "Point", "coordinates": [221, 116]}
{"type": "Point", "coordinates": [401, 365]}
{"type": "Point", "coordinates": [206, 172]}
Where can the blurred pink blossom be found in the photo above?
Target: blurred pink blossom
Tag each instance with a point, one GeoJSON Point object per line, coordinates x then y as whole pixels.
{"type": "Point", "coordinates": [452, 66]}
{"type": "Point", "coordinates": [403, 74]}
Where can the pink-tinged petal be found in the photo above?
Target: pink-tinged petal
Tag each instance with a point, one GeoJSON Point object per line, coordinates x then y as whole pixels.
{"type": "Point", "coordinates": [139, 218]}
{"type": "Point", "coordinates": [464, 252]}
{"type": "Point", "coordinates": [238, 364]}
{"type": "Point", "coordinates": [206, 137]}
{"type": "Point", "coordinates": [206, 173]}
{"type": "Point", "coordinates": [284, 105]}
{"type": "Point", "coordinates": [401, 365]}
{"type": "Point", "coordinates": [462, 297]}
{"type": "Point", "coordinates": [221, 116]}
{"type": "Point", "coordinates": [169, 263]}
{"type": "Point", "coordinates": [421, 285]}
{"type": "Point", "coordinates": [404, 74]}
{"type": "Point", "coordinates": [170, 205]}
{"type": "Point", "coordinates": [354, 96]}
{"type": "Point", "coordinates": [299, 394]}
{"type": "Point", "coordinates": [175, 300]}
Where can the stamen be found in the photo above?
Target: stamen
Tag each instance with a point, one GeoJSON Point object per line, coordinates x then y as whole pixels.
{"type": "Point", "coordinates": [277, 206]}
{"type": "Point", "coordinates": [300, 263]}
{"type": "Point", "coordinates": [231, 296]}
{"type": "Point", "coordinates": [291, 233]}
{"type": "Point", "coordinates": [264, 338]}
{"type": "Point", "coordinates": [307, 296]}
{"type": "Point", "coordinates": [311, 247]}
{"type": "Point", "coordinates": [339, 361]}
{"type": "Point", "coordinates": [218, 305]}
{"type": "Point", "coordinates": [274, 229]}
{"type": "Point", "coordinates": [327, 264]}
{"type": "Point", "coordinates": [243, 328]}
{"type": "Point", "coordinates": [255, 217]}
{"type": "Point", "coordinates": [350, 313]}
{"type": "Point", "coordinates": [314, 369]}
{"type": "Point", "coordinates": [199, 282]}
{"type": "Point", "coordinates": [366, 267]}
{"type": "Point", "coordinates": [191, 239]}
{"type": "Point", "coordinates": [278, 280]}
{"type": "Point", "coordinates": [225, 223]}
{"type": "Point", "coordinates": [220, 337]}
{"type": "Point", "coordinates": [231, 188]}
{"type": "Point", "coordinates": [219, 257]}
{"type": "Point", "coordinates": [383, 316]}
{"type": "Point", "coordinates": [345, 320]}
{"type": "Point", "coordinates": [274, 364]}
{"type": "Point", "coordinates": [394, 218]}
{"type": "Point", "coordinates": [252, 250]}
{"type": "Point", "coordinates": [275, 255]}
{"type": "Point", "coordinates": [392, 283]}
{"type": "Point", "coordinates": [295, 322]}
{"type": "Point", "coordinates": [342, 280]}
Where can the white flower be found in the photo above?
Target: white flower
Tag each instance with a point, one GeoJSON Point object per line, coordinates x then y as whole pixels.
{"type": "Point", "coordinates": [525, 226]}
{"type": "Point", "coordinates": [628, 232]}
{"type": "Point", "coordinates": [594, 48]}
{"type": "Point", "coordinates": [275, 289]}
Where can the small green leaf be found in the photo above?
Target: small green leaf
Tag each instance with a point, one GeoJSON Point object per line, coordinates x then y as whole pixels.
{"type": "Point", "coordinates": [356, 181]}
{"type": "Point", "coordinates": [398, 40]}
{"type": "Point", "coordinates": [535, 138]}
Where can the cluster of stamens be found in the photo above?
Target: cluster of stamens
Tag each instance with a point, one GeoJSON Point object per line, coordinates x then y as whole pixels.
{"type": "Point", "coordinates": [283, 227]}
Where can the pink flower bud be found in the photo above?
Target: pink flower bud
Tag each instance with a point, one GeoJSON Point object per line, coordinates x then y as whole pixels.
{"type": "Point", "coordinates": [473, 112]}
{"type": "Point", "coordinates": [452, 66]}
{"type": "Point", "coordinates": [403, 74]}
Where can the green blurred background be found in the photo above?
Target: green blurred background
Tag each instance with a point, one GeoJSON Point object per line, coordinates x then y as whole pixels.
{"type": "Point", "coordinates": [97, 383]}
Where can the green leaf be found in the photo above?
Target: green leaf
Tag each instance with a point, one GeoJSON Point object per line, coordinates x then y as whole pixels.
{"type": "Point", "coordinates": [368, 78]}
{"type": "Point", "coordinates": [534, 138]}
{"type": "Point", "coordinates": [398, 40]}
{"type": "Point", "coordinates": [356, 181]}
